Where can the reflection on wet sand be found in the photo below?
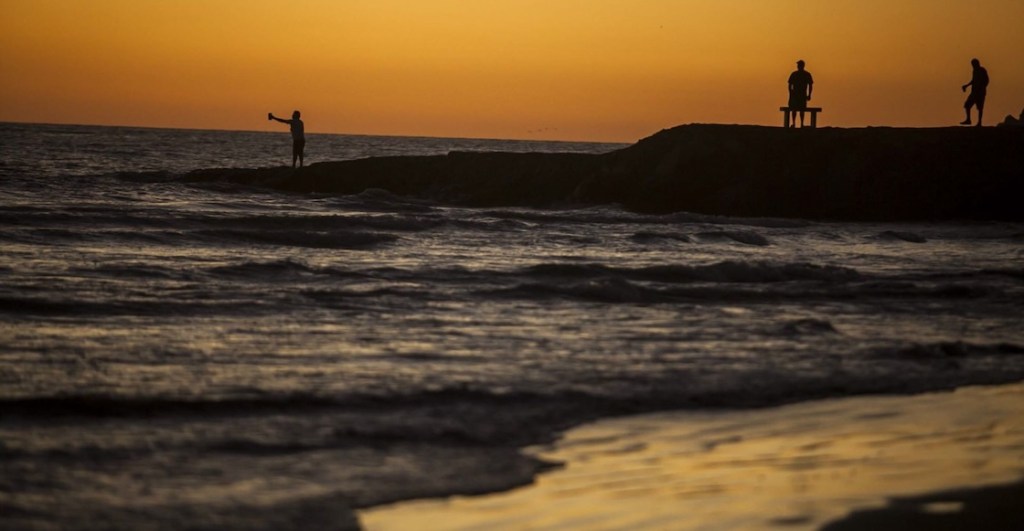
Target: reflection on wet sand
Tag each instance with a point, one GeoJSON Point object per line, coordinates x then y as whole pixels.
{"type": "Point", "coordinates": [797, 466]}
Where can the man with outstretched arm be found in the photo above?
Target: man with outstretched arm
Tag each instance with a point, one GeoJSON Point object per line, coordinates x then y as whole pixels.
{"type": "Point", "coordinates": [298, 135]}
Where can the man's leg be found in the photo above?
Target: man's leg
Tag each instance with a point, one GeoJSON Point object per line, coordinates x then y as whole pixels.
{"type": "Point", "coordinates": [981, 111]}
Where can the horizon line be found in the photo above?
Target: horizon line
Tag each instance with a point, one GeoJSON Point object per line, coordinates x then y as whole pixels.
{"type": "Point", "coordinates": [285, 132]}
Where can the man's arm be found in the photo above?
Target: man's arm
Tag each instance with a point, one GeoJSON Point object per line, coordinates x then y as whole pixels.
{"type": "Point", "coordinates": [810, 89]}
{"type": "Point", "coordinates": [276, 119]}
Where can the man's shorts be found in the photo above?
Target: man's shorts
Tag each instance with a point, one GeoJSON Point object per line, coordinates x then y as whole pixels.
{"type": "Point", "coordinates": [976, 98]}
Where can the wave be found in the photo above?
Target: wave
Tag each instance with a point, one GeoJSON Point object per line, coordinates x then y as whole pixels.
{"type": "Point", "coordinates": [495, 225]}
{"type": "Point", "coordinates": [647, 237]}
{"type": "Point", "coordinates": [101, 405]}
{"type": "Point", "coordinates": [746, 237]}
{"type": "Point", "coordinates": [355, 299]}
{"type": "Point", "coordinates": [150, 306]}
{"type": "Point", "coordinates": [141, 271]}
{"type": "Point", "coordinates": [273, 269]}
{"type": "Point", "coordinates": [115, 406]}
{"type": "Point", "coordinates": [327, 285]}
{"type": "Point", "coordinates": [612, 290]}
{"type": "Point", "coordinates": [844, 281]}
{"type": "Point", "coordinates": [910, 290]}
{"type": "Point", "coordinates": [85, 219]}
{"type": "Point", "coordinates": [595, 215]}
{"type": "Point", "coordinates": [722, 272]}
{"type": "Point", "coordinates": [378, 199]}
{"type": "Point", "coordinates": [385, 222]}
{"type": "Point", "coordinates": [727, 272]}
{"type": "Point", "coordinates": [997, 362]}
{"type": "Point", "coordinates": [620, 290]}
{"type": "Point", "coordinates": [57, 236]}
{"type": "Point", "coordinates": [336, 239]}
{"type": "Point", "coordinates": [292, 238]}
{"type": "Point", "coordinates": [1012, 273]}
{"type": "Point", "coordinates": [80, 221]}
{"type": "Point", "coordinates": [805, 327]}
{"type": "Point", "coordinates": [952, 349]}
{"type": "Point", "coordinates": [910, 237]}
{"type": "Point", "coordinates": [145, 177]}
{"type": "Point", "coordinates": [613, 213]}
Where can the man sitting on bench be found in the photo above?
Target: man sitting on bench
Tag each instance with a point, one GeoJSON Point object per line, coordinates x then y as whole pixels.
{"type": "Point", "coordinates": [801, 84]}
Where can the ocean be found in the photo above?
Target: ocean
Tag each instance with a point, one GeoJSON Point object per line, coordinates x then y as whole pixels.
{"type": "Point", "coordinates": [178, 353]}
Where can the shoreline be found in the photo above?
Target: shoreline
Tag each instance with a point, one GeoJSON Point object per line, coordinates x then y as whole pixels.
{"type": "Point", "coordinates": [802, 465]}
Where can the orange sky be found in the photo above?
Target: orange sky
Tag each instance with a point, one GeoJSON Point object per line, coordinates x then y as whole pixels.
{"type": "Point", "coordinates": [613, 70]}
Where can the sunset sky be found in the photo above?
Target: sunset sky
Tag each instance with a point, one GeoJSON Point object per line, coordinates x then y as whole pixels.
{"type": "Point", "coordinates": [614, 70]}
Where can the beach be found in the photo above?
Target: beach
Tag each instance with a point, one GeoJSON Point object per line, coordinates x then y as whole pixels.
{"type": "Point", "coordinates": [803, 466]}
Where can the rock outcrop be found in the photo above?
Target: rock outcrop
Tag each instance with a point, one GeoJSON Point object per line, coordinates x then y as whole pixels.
{"type": "Point", "coordinates": [843, 174]}
{"type": "Point", "coordinates": [1010, 121]}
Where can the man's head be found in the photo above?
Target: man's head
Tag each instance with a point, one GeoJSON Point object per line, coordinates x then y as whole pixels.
{"type": "Point", "coordinates": [296, 115]}
{"type": "Point", "coordinates": [800, 64]}
{"type": "Point", "coordinates": [975, 63]}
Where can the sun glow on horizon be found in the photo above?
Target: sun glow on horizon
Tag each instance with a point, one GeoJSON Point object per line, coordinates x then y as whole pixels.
{"type": "Point", "coordinates": [612, 70]}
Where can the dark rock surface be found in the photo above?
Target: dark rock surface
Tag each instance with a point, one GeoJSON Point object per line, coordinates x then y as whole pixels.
{"type": "Point", "coordinates": [869, 174]}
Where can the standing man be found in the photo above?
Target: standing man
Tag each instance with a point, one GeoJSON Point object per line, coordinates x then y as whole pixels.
{"type": "Point", "coordinates": [979, 88]}
{"type": "Point", "coordinates": [801, 84]}
{"type": "Point", "coordinates": [298, 135]}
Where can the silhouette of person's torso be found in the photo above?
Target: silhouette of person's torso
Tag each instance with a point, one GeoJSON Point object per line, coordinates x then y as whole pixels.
{"type": "Point", "coordinates": [979, 82]}
{"type": "Point", "coordinates": [297, 128]}
{"type": "Point", "coordinates": [800, 80]}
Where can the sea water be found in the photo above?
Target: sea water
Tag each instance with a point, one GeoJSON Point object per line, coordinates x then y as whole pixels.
{"type": "Point", "coordinates": [180, 354]}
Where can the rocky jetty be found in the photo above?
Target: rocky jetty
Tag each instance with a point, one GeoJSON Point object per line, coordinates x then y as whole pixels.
{"type": "Point", "coordinates": [869, 174]}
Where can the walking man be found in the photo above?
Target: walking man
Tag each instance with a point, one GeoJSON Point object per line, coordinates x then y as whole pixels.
{"type": "Point", "coordinates": [801, 84]}
{"type": "Point", "coordinates": [979, 88]}
{"type": "Point", "coordinates": [298, 135]}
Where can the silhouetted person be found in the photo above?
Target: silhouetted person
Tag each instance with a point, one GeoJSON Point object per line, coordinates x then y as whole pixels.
{"type": "Point", "coordinates": [298, 135]}
{"type": "Point", "coordinates": [979, 88]}
{"type": "Point", "coordinates": [801, 84]}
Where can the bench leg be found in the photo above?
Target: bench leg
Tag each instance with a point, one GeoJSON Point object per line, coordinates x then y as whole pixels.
{"type": "Point", "coordinates": [785, 119]}
{"type": "Point", "coordinates": [814, 119]}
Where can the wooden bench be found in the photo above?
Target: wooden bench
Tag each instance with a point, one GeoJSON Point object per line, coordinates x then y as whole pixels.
{"type": "Point", "coordinates": [814, 115]}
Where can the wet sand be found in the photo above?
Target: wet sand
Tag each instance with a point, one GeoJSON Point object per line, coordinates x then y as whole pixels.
{"type": "Point", "coordinates": [942, 460]}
